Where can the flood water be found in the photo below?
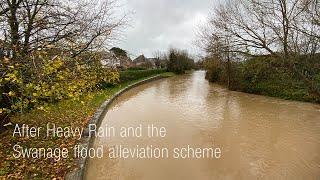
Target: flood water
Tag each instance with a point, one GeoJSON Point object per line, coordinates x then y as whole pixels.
{"type": "Point", "coordinates": [259, 137]}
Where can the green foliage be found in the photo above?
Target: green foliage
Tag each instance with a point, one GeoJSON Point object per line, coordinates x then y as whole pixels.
{"type": "Point", "coordinates": [215, 70]}
{"type": "Point", "coordinates": [263, 75]}
{"type": "Point", "coordinates": [130, 75]}
{"type": "Point", "coordinates": [199, 65]}
{"type": "Point", "coordinates": [119, 52]}
{"type": "Point", "coordinates": [136, 68]}
{"type": "Point", "coordinates": [179, 61]}
{"type": "Point", "coordinates": [42, 79]}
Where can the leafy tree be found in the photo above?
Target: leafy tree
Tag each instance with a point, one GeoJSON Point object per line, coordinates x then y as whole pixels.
{"type": "Point", "coordinates": [179, 61]}
{"type": "Point", "coordinates": [119, 52]}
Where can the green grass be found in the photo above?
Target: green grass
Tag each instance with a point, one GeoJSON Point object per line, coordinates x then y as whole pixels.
{"type": "Point", "coordinates": [67, 113]}
{"type": "Point", "coordinates": [168, 74]}
{"type": "Point", "coordinates": [129, 75]}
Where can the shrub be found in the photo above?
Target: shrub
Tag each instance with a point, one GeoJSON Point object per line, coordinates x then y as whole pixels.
{"type": "Point", "coordinates": [214, 70]}
{"type": "Point", "coordinates": [42, 79]}
{"type": "Point", "coordinates": [261, 75]}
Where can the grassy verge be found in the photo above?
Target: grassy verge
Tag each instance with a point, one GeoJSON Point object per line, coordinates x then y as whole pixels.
{"type": "Point", "coordinates": [66, 113]}
{"type": "Point", "coordinates": [129, 75]}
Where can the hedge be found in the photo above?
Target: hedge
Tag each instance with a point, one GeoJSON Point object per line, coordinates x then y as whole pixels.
{"type": "Point", "coordinates": [129, 75]}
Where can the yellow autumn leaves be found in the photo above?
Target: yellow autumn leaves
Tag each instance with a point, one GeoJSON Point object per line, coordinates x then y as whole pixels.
{"type": "Point", "coordinates": [48, 79]}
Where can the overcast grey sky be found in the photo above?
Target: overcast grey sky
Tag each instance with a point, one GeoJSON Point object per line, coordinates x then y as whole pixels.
{"type": "Point", "coordinates": [159, 24]}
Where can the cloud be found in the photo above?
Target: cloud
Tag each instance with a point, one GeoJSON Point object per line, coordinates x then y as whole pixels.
{"type": "Point", "coordinates": [159, 24]}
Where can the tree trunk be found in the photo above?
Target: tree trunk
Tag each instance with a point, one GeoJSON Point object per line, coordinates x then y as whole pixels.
{"type": "Point", "coordinates": [14, 26]}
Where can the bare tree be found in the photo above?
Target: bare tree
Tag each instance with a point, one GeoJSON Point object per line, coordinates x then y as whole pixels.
{"type": "Point", "coordinates": [276, 27]}
{"type": "Point", "coordinates": [36, 33]}
{"type": "Point", "coordinates": [219, 47]}
{"type": "Point", "coordinates": [159, 55]}
{"type": "Point", "coordinates": [76, 25]}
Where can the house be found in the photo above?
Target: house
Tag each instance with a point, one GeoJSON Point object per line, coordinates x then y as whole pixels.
{"type": "Point", "coordinates": [125, 62]}
{"type": "Point", "coordinates": [110, 60]}
{"type": "Point", "coordinates": [142, 61]}
{"type": "Point", "coordinates": [156, 63]}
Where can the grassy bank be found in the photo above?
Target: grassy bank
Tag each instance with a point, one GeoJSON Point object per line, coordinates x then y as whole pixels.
{"type": "Point", "coordinates": [67, 113]}
{"type": "Point", "coordinates": [129, 75]}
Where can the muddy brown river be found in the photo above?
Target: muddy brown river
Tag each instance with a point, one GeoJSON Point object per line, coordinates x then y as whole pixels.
{"type": "Point", "coordinates": [259, 137]}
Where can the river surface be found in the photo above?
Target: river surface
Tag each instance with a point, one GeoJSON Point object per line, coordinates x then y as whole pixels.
{"type": "Point", "coordinates": [259, 137]}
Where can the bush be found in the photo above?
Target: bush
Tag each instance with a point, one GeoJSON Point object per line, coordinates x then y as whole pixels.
{"type": "Point", "coordinates": [179, 61]}
{"type": "Point", "coordinates": [214, 70]}
{"type": "Point", "coordinates": [43, 79]}
{"type": "Point", "coordinates": [262, 75]}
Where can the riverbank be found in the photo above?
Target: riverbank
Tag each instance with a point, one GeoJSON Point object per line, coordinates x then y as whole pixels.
{"type": "Point", "coordinates": [66, 113]}
{"type": "Point", "coordinates": [267, 76]}
{"type": "Point", "coordinates": [258, 136]}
